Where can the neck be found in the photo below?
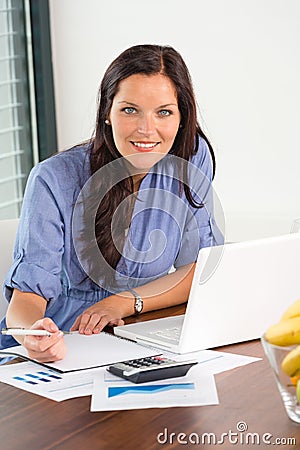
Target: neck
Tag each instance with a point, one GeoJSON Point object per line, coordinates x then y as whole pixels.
{"type": "Point", "coordinates": [137, 179]}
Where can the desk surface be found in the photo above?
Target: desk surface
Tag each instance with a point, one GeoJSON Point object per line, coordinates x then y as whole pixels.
{"type": "Point", "coordinates": [247, 394]}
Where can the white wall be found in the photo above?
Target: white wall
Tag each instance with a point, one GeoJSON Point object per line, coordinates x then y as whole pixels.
{"type": "Point", "coordinates": [245, 63]}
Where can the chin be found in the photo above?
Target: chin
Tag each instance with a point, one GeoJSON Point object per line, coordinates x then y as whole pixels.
{"type": "Point", "coordinates": [144, 160]}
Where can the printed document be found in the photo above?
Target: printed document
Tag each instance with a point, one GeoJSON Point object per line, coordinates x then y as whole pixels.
{"type": "Point", "coordinates": [87, 352]}
{"type": "Point", "coordinates": [113, 393]}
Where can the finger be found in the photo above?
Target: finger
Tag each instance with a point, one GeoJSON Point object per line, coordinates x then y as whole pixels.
{"type": "Point", "coordinates": [116, 323]}
{"type": "Point", "coordinates": [80, 323]}
{"type": "Point", "coordinates": [85, 317]}
{"type": "Point", "coordinates": [49, 325]}
{"type": "Point", "coordinates": [103, 322]}
{"type": "Point", "coordinates": [91, 325]}
{"type": "Point", "coordinates": [42, 343]}
{"type": "Point", "coordinates": [45, 324]}
{"type": "Point", "coordinates": [75, 325]}
{"type": "Point", "coordinates": [55, 353]}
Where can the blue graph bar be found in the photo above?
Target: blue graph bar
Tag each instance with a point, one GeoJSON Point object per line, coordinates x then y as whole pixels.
{"type": "Point", "coordinates": [38, 377]}
{"type": "Point", "coordinates": [51, 375]}
{"type": "Point", "coordinates": [123, 390]}
{"type": "Point", "coordinates": [24, 380]}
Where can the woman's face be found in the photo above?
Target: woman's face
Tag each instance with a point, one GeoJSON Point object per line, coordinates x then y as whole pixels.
{"type": "Point", "coordinates": [145, 119]}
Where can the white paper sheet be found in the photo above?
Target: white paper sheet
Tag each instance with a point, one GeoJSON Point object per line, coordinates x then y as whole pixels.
{"type": "Point", "coordinates": [215, 361]}
{"type": "Point", "coordinates": [195, 389]}
{"type": "Point", "coordinates": [36, 379]}
{"type": "Point", "coordinates": [87, 352]}
{"type": "Point", "coordinates": [76, 384]}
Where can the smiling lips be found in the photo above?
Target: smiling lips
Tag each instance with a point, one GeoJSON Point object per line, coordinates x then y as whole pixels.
{"type": "Point", "coordinates": [144, 146]}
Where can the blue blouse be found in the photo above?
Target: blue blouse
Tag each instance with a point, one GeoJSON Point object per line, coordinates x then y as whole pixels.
{"type": "Point", "coordinates": [165, 231]}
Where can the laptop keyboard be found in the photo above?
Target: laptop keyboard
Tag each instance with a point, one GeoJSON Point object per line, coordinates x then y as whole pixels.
{"type": "Point", "coordinates": [173, 334]}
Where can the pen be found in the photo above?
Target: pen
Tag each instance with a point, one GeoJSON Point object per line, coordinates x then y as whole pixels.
{"type": "Point", "coordinates": [24, 332]}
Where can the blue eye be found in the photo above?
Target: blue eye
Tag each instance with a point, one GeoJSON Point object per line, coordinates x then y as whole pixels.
{"type": "Point", "coordinates": [129, 110]}
{"type": "Point", "coordinates": [165, 112]}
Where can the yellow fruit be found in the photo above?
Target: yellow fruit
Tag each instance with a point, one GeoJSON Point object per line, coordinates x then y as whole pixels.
{"type": "Point", "coordinates": [286, 332]}
{"type": "Point", "coordinates": [295, 379]}
{"type": "Point", "coordinates": [292, 311]}
{"type": "Point", "coordinates": [291, 363]}
{"type": "Point", "coordinates": [298, 392]}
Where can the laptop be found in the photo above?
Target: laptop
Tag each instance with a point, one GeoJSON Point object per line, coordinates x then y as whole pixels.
{"type": "Point", "coordinates": [238, 291]}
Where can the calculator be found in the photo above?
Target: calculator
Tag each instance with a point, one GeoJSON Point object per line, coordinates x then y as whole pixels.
{"type": "Point", "coordinates": [150, 369]}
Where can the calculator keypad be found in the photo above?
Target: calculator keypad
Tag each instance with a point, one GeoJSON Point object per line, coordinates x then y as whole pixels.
{"type": "Point", "coordinates": [150, 369]}
{"type": "Point", "coordinates": [147, 362]}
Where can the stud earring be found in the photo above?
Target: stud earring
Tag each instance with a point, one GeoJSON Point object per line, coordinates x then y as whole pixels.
{"type": "Point", "coordinates": [107, 122]}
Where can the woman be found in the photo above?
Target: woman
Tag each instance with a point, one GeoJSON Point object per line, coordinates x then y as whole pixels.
{"type": "Point", "coordinates": [103, 223]}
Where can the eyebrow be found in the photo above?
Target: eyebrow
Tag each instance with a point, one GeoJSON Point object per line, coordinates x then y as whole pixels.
{"type": "Point", "coordinates": [134, 104]}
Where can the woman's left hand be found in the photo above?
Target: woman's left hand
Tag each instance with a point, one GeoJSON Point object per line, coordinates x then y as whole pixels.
{"type": "Point", "coordinates": [108, 311]}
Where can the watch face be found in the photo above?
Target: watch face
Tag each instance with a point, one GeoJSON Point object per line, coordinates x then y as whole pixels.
{"type": "Point", "coordinates": [138, 305]}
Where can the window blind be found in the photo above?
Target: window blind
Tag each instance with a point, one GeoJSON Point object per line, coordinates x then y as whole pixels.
{"type": "Point", "coordinates": [16, 150]}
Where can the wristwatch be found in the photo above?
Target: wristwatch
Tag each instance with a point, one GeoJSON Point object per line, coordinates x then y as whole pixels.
{"type": "Point", "coordinates": [138, 302]}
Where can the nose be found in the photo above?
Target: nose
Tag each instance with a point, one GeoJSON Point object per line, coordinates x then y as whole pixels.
{"type": "Point", "coordinates": [146, 125]}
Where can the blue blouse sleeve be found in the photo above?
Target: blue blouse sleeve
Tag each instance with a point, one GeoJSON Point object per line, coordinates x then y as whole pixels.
{"type": "Point", "coordinates": [201, 230]}
{"type": "Point", "coordinates": [40, 239]}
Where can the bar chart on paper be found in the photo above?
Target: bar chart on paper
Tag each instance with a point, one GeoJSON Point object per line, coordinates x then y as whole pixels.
{"type": "Point", "coordinates": [111, 393]}
{"type": "Point", "coordinates": [46, 382]}
{"type": "Point", "coordinates": [38, 377]}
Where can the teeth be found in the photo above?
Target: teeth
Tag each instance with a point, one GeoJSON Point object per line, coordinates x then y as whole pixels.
{"type": "Point", "coordinates": [143, 145]}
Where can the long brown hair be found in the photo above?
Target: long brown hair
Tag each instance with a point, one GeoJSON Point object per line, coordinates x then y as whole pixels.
{"type": "Point", "coordinates": [147, 60]}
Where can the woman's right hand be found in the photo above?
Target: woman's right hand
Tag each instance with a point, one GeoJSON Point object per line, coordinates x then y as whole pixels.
{"type": "Point", "coordinates": [46, 348]}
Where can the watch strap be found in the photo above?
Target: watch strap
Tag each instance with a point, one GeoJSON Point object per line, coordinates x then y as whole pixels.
{"type": "Point", "coordinates": [138, 303]}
